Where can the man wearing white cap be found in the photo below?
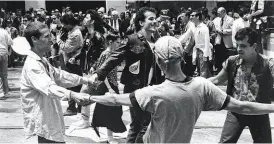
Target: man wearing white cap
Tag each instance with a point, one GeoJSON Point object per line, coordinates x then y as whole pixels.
{"type": "Point", "coordinates": [175, 105]}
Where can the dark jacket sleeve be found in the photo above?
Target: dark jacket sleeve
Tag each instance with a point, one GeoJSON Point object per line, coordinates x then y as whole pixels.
{"type": "Point", "coordinates": [116, 57]}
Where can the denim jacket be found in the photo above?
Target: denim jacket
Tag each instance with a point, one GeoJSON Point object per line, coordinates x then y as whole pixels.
{"type": "Point", "coordinates": [263, 70]}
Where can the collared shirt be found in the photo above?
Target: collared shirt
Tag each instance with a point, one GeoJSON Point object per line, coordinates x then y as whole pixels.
{"type": "Point", "coordinates": [41, 91]}
{"type": "Point", "coordinates": [202, 42]}
{"type": "Point", "coordinates": [217, 24]}
{"type": "Point", "coordinates": [245, 84]}
{"type": "Point", "coordinates": [5, 41]}
{"type": "Point", "coordinates": [260, 5]}
{"type": "Point", "coordinates": [237, 25]}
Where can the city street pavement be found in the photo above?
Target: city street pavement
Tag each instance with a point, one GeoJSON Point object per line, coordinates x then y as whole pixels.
{"type": "Point", "coordinates": [207, 130]}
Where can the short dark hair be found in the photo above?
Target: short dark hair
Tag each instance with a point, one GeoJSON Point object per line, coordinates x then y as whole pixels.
{"type": "Point", "coordinates": [198, 14]}
{"type": "Point", "coordinates": [204, 11]}
{"type": "Point", "coordinates": [214, 11]}
{"type": "Point", "coordinates": [248, 32]}
{"type": "Point", "coordinates": [34, 29]}
{"type": "Point", "coordinates": [187, 13]}
{"type": "Point", "coordinates": [111, 37]}
{"type": "Point", "coordinates": [140, 16]}
{"type": "Point", "coordinates": [69, 19]}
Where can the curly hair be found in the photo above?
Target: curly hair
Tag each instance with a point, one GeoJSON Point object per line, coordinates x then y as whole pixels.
{"type": "Point", "coordinates": [69, 19]}
{"type": "Point", "coordinates": [248, 32]}
{"type": "Point", "coordinates": [98, 21]}
{"type": "Point", "coordinates": [140, 16]}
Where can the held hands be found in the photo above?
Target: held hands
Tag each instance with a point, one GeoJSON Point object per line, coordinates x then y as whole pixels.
{"type": "Point", "coordinates": [93, 78]}
{"type": "Point", "coordinates": [81, 98]}
{"type": "Point", "coordinates": [219, 31]}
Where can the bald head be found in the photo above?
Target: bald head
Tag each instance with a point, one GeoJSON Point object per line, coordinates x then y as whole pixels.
{"type": "Point", "coordinates": [221, 12]}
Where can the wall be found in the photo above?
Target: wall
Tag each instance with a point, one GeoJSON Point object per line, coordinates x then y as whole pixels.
{"type": "Point", "coordinates": [35, 4]}
{"type": "Point", "coordinates": [120, 6]}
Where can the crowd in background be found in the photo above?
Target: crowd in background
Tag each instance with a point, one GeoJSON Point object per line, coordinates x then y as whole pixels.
{"type": "Point", "coordinates": [122, 24]}
{"type": "Point", "coordinates": [82, 43]}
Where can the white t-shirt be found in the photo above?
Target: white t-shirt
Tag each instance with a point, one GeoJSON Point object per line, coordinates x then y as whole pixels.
{"type": "Point", "coordinates": [175, 108]}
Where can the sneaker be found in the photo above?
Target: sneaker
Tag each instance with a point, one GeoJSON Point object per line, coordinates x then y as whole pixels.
{"type": "Point", "coordinates": [81, 124]}
{"type": "Point", "coordinates": [69, 113]}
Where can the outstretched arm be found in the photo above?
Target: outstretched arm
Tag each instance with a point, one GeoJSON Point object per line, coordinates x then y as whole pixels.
{"type": "Point", "coordinates": [112, 99]}
{"type": "Point", "coordinates": [220, 78]}
{"type": "Point", "coordinates": [249, 108]}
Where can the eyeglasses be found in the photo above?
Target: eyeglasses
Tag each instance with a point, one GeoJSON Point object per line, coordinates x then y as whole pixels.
{"type": "Point", "coordinates": [25, 20]}
{"type": "Point", "coordinates": [193, 15]}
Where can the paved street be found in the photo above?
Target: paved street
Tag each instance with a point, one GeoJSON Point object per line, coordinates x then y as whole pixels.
{"type": "Point", "coordinates": [207, 130]}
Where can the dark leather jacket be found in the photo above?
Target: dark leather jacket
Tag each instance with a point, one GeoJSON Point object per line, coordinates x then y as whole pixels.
{"type": "Point", "coordinates": [263, 75]}
{"type": "Point", "coordinates": [133, 49]}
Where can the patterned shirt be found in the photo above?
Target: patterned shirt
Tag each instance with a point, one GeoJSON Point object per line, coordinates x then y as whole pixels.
{"type": "Point", "coordinates": [245, 84]}
{"type": "Point", "coordinates": [112, 76]}
{"type": "Point", "coordinates": [42, 87]}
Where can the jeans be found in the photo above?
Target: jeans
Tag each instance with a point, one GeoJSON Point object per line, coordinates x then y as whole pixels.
{"type": "Point", "coordinates": [187, 67]}
{"type": "Point", "coordinates": [259, 127]}
{"type": "Point", "coordinates": [139, 121]}
{"type": "Point", "coordinates": [4, 86]}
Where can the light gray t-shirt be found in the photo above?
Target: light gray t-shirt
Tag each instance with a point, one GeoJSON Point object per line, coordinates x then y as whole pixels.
{"type": "Point", "coordinates": [175, 108]}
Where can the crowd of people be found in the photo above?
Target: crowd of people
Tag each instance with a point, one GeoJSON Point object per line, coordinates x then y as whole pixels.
{"type": "Point", "coordinates": [171, 63]}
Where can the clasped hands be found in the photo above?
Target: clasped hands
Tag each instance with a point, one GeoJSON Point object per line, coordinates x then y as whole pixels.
{"type": "Point", "coordinates": [83, 98]}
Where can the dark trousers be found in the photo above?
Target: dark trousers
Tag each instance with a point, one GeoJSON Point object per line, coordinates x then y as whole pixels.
{"type": "Point", "coordinates": [221, 55]}
{"type": "Point", "coordinates": [259, 127]}
{"type": "Point", "coordinates": [44, 140]}
{"type": "Point", "coordinates": [139, 121]}
{"type": "Point", "coordinates": [187, 67]}
{"type": "Point", "coordinates": [75, 69]}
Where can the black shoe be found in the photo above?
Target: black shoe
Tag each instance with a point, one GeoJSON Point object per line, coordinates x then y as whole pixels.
{"type": "Point", "coordinates": [3, 98]}
{"type": "Point", "coordinates": [69, 113]}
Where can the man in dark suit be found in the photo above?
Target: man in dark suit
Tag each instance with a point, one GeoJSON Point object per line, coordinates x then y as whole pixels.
{"type": "Point", "coordinates": [140, 69]}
